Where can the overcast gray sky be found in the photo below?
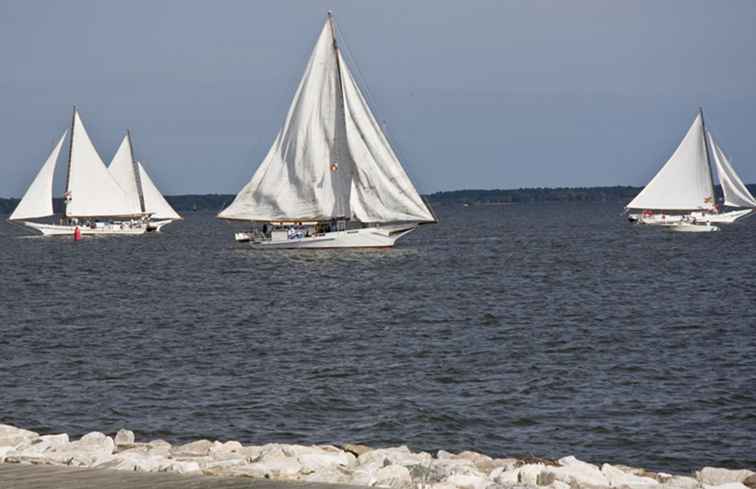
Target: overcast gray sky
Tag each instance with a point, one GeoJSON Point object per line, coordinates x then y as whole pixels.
{"type": "Point", "coordinates": [480, 94]}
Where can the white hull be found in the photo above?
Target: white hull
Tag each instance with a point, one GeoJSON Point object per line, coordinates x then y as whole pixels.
{"type": "Point", "coordinates": [67, 230]}
{"type": "Point", "coordinates": [686, 227]}
{"type": "Point", "coordinates": [372, 237]}
{"type": "Point", "coordinates": [722, 218]}
{"type": "Point", "coordinates": [157, 226]}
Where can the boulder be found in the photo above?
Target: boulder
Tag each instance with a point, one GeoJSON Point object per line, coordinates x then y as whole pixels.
{"type": "Point", "coordinates": [135, 460]}
{"type": "Point", "coordinates": [728, 485]}
{"type": "Point", "coordinates": [441, 469]}
{"type": "Point", "coordinates": [529, 474]}
{"type": "Point", "coordinates": [506, 477]}
{"type": "Point", "coordinates": [714, 476]}
{"type": "Point", "coordinates": [222, 450]}
{"type": "Point", "coordinates": [355, 449]}
{"type": "Point", "coordinates": [10, 436]}
{"type": "Point", "coordinates": [331, 475]}
{"type": "Point", "coordinates": [124, 438]}
{"type": "Point", "coordinates": [159, 447]}
{"type": "Point", "coordinates": [618, 477]}
{"type": "Point", "coordinates": [180, 467]}
{"type": "Point", "coordinates": [680, 482]}
{"type": "Point", "coordinates": [394, 476]}
{"type": "Point", "coordinates": [320, 460]}
{"type": "Point", "coordinates": [750, 481]}
{"type": "Point", "coordinates": [468, 481]}
{"type": "Point", "coordinates": [574, 471]}
{"type": "Point", "coordinates": [394, 456]}
{"type": "Point", "coordinates": [199, 448]}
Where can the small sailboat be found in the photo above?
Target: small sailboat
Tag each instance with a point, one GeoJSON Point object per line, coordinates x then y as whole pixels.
{"type": "Point", "coordinates": [331, 178]}
{"type": "Point", "coordinates": [682, 192]}
{"type": "Point", "coordinates": [95, 204]}
{"type": "Point", "coordinates": [139, 187]}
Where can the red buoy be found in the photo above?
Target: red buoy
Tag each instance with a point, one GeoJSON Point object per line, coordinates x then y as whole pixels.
{"type": "Point", "coordinates": [77, 234]}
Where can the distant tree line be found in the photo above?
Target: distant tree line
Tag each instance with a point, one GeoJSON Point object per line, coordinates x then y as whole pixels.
{"type": "Point", "coordinates": [217, 202]}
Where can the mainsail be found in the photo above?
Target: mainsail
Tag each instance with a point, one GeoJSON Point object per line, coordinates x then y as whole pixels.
{"type": "Point", "coordinates": [736, 194]}
{"type": "Point", "coordinates": [331, 160]}
{"type": "Point", "coordinates": [684, 182]}
{"type": "Point", "coordinates": [124, 170]}
{"type": "Point", "coordinates": [91, 190]}
{"type": "Point", "coordinates": [154, 202]}
{"type": "Point", "coordinates": [37, 201]}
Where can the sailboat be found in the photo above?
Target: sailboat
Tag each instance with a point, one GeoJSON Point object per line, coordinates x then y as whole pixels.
{"type": "Point", "coordinates": [95, 203]}
{"type": "Point", "coordinates": [331, 178]}
{"type": "Point", "coordinates": [139, 187]}
{"type": "Point", "coordinates": [681, 195]}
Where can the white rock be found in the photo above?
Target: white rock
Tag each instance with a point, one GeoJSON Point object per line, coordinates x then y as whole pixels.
{"type": "Point", "coordinates": [442, 485]}
{"type": "Point", "coordinates": [396, 456]}
{"type": "Point", "coordinates": [681, 482]}
{"type": "Point", "coordinates": [159, 447]}
{"type": "Point", "coordinates": [197, 448]}
{"type": "Point", "coordinates": [10, 436]}
{"type": "Point", "coordinates": [505, 477]}
{"type": "Point", "coordinates": [334, 475]}
{"type": "Point", "coordinates": [394, 476]}
{"type": "Point", "coordinates": [619, 477]}
{"type": "Point", "coordinates": [365, 474]}
{"type": "Point", "coordinates": [578, 471]}
{"type": "Point", "coordinates": [714, 476]}
{"type": "Point", "coordinates": [557, 484]}
{"type": "Point", "coordinates": [224, 450]}
{"type": "Point", "coordinates": [124, 438]}
{"type": "Point", "coordinates": [529, 474]}
{"type": "Point", "coordinates": [3, 452]}
{"type": "Point", "coordinates": [180, 467]}
{"type": "Point", "coordinates": [135, 460]}
{"type": "Point", "coordinates": [465, 481]}
{"type": "Point", "coordinates": [727, 485]}
{"type": "Point", "coordinates": [445, 467]}
{"type": "Point", "coordinates": [325, 460]}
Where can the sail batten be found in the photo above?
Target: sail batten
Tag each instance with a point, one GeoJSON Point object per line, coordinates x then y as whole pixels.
{"type": "Point", "coordinates": [684, 182]}
{"type": "Point", "coordinates": [37, 201]}
{"type": "Point", "coordinates": [331, 159]}
{"type": "Point", "coordinates": [92, 190]}
{"type": "Point", "coordinates": [735, 192]}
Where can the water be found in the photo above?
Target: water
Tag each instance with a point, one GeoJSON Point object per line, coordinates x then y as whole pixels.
{"type": "Point", "coordinates": [511, 330]}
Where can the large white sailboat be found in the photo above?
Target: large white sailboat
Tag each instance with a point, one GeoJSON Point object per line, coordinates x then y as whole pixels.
{"type": "Point", "coordinates": [139, 187]}
{"type": "Point", "coordinates": [331, 178]}
{"type": "Point", "coordinates": [681, 195]}
{"type": "Point", "coordinates": [95, 204]}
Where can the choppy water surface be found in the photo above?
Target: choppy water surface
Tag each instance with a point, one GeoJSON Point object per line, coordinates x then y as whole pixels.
{"type": "Point", "coordinates": [511, 330]}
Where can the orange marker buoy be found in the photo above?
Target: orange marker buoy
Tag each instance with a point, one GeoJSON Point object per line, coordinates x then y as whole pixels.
{"type": "Point", "coordinates": [77, 234]}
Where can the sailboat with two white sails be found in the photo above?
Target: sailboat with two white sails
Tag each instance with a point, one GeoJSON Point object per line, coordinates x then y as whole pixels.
{"type": "Point", "coordinates": [681, 195]}
{"type": "Point", "coordinates": [331, 178]}
{"type": "Point", "coordinates": [95, 202]}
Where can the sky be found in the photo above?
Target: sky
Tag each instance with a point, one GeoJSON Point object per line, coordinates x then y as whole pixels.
{"type": "Point", "coordinates": [479, 94]}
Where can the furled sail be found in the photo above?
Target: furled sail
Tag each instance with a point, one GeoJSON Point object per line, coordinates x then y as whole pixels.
{"type": "Point", "coordinates": [154, 202]}
{"type": "Point", "coordinates": [736, 194]}
{"type": "Point", "coordinates": [331, 159]}
{"type": "Point", "coordinates": [123, 169]}
{"type": "Point", "coordinates": [37, 201]}
{"type": "Point", "coordinates": [684, 182]}
{"type": "Point", "coordinates": [91, 190]}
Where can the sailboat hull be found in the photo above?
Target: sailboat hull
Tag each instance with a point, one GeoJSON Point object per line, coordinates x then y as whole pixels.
{"type": "Point", "coordinates": [686, 227]}
{"type": "Point", "coordinates": [105, 230]}
{"type": "Point", "coordinates": [723, 217]}
{"type": "Point", "coordinates": [371, 237]}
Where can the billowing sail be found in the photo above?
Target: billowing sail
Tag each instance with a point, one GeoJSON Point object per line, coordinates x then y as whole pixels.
{"type": "Point", "coordinates": [154, 202]}
{"type": "Point", "coordinates": [684, 182]}
{"type": "Point", "coordinates": [122, 168]}
{"type": "Point", "coordinates": [91, 189]}
{"type": "Point", "coordinates": [331, 159]}
{"type": "Point", "coordinates": [736, 194]}
{"type": "Point", "coordinates": [37, 201]}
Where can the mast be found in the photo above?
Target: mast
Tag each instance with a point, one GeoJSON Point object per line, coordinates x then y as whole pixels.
{"type": "Point", "coordinates": [708, 158]}
{"type": "Point", "coordinates": [135, 169]}
{"type": "Point", "coordinates": [339, 116]}
{"type": "Point", "coordinates": [70, 149]}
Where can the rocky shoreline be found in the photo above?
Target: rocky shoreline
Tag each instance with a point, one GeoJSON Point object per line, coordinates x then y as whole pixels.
{"type": "Point", "coordinates": [397, 467]}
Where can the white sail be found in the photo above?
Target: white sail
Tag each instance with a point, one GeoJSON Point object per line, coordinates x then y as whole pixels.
{"type": "Point", "coordinates": [91, 189]}
{"type": "Point", "coordinates": [331, 159]}
{"type": "Point", "coordinates": [122, 169]}
{"type": "Point", "coordinates": [37, 201]}
{"type": "Point", "coordinates": [154, 202]}
{"type": "Point", "coordinates": [736, 194]}
{"type": "Point", "coordinates": [684, 182]}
